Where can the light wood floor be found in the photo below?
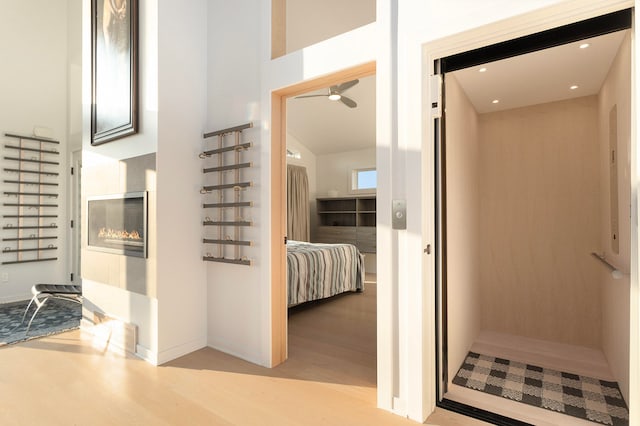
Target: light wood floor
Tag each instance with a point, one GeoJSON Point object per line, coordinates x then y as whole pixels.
{"type": "Point", "coordinates": [329, 379]}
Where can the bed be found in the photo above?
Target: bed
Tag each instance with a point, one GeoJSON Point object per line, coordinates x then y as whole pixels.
{"type": "Point", "coordinates": [317, 271]}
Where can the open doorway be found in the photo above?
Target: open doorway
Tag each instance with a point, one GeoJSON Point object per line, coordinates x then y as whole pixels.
{"type": "Point", "coordinates": [279, 298]}
{"type": "Point", "coordinates": [331, 227]}
{"type": "Point", "coordinates": [534, 213]}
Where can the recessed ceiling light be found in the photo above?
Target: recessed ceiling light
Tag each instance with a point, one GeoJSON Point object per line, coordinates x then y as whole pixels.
{"type": "Point", "coordinates": [482, 69]}
{"type": "Point", "coordinates": [574, 87]}
{"type": "Point", "coordinates": [495, 101]}
{"type": "Point", "coordinates": [584, 45]}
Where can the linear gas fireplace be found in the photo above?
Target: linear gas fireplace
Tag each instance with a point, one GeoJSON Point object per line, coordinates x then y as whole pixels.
{"type": "Point", "coordinates": [118, 224]}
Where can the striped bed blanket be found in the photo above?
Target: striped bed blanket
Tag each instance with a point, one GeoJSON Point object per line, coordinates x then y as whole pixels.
{"type": "Point", "coordinates": [317, 271]}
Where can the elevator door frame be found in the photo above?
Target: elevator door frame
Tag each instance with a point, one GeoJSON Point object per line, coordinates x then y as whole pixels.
{"type": "Point", "coordinates": [572, 32]}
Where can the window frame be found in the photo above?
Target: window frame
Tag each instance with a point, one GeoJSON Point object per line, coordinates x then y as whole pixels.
{"type": "Point", "coordinates": [353, 181]}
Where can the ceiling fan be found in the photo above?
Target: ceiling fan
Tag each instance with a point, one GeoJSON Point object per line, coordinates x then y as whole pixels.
{"type": "Point", "coordinates": [335, 93]}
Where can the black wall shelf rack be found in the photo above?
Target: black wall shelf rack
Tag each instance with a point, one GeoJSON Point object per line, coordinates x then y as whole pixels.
{"type": "Point", "coordinates": [227, 193]}
{"type": "Point", "coordinates": [32, 167]}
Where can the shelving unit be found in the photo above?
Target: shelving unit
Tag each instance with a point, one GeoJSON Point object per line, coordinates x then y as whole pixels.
{"type": "Point", "coordinates": [31, 173]}
{"type": "Point", "coordinates": [228, 162]}
{"type": "Point", "coordinates": [349, 220]}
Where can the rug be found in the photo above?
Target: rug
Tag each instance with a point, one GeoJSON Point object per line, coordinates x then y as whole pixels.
{"type": "Point", "coordinates": [55, 316]}
{"type": "Point", "coordinates": [578, 396]}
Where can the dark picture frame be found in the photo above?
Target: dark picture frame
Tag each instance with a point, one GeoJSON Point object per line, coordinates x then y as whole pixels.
{"type": "Point", "coordinates": [114, 69]}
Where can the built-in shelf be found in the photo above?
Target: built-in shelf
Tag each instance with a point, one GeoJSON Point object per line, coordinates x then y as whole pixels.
{"type": "Point", "coordinates": [349, 220]}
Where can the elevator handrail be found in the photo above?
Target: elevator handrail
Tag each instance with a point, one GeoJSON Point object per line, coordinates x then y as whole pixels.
{"type": "Point", "coordinates": [615, 272]}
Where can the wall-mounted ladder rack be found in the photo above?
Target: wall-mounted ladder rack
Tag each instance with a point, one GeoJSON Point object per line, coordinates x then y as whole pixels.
{"type": "Point", "coordinates": [31, 169]}
{"type": "Point", "coordinates": [222, 188]}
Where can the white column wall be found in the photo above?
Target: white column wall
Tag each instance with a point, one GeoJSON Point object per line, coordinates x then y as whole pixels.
{"type": "Point", "coordinates": [122, 304]}
{"type": "Point", "coordinates": [182, 90]}
{"type": "Point", "coordinates": [238, 316]}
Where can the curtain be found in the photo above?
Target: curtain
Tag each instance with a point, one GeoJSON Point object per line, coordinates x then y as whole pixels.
{"type": "Point", "coordinates": [297, 203]}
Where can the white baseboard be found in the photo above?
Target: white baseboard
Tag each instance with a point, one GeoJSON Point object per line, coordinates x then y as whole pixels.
{"type": "Point", "coordinates": [111, 334]}
{"type": "Point", "coordinates": [180, 350]}
{"type": "Point", "coordinates": [222, 348]}
{"type": "Point", "coordinates": [170, 354]}
{"type": "Point", "coordinates": [146, 354]}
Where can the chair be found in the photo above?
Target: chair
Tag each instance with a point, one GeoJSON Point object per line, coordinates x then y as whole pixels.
{"type": "Point", "coordinates": [72, 293]}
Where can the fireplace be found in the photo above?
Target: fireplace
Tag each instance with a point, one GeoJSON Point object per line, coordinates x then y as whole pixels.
{"type": "Point", "coordinates": [118, 224]}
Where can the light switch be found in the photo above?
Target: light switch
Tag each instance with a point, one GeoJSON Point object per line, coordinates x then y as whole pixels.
{"type": "Point", "coordinates": [399, 214]}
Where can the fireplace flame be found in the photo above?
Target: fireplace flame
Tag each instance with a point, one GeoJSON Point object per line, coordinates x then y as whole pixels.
{"type": "Point", "coordinates": [118, 234]}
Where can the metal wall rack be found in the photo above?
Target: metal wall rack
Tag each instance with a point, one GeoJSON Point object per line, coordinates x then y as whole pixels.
{"type": "Point", "coordinates": [227, 205]}
{"type": "Point", "coordinates": [29, 231]}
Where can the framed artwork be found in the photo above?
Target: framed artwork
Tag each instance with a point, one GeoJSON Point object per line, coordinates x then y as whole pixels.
{"type": "Point", "coordinates": [114, 70]}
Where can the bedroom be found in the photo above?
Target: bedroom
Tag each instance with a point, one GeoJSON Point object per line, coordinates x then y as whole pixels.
{"type": "Point", "coordinates": [331, 155]}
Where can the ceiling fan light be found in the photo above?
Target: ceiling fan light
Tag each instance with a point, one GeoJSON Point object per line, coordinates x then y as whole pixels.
{"type": "Point", "coordinates": [334, 97]}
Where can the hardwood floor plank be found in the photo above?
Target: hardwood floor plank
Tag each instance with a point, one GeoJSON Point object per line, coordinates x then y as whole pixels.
{"type": "Point", "coordinates": [328, 380]}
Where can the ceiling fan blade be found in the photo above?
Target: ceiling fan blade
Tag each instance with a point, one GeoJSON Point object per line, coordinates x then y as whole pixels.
{"type": "Point", "coordinates": [348, 102]}
{"type": "Point", "coordinates": [309, 96]}
{"type": "Point", "coordinates": [345, 86]}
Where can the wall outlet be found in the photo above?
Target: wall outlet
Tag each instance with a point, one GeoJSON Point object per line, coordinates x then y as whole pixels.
{"type": "Point", "coordinates": [5, 277]}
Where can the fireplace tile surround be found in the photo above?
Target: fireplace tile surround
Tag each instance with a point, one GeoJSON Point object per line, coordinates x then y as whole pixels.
{"type": "Point", "coordinates": [105, 176]}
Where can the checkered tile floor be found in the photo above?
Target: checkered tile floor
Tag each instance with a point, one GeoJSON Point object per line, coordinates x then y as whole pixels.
{"type": "Point", "coordinates": [579, 396]}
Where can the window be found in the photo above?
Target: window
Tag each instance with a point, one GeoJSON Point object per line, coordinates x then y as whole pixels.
{"type": "Point", "coordinates": [363, 180]}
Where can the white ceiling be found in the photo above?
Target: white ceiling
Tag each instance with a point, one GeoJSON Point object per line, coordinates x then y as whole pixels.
{"type": "Point", "coordinates": [325, 126]}
{"type": "Point", "coordinates": [542, 76]}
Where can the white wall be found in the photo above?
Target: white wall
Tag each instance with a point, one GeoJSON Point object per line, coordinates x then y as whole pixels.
{"type": "Point", "coordinates": [615, 294]}
{"type": "Point", "coordinates": [33, 83]}
{"type": "Point", "coordinates": [463, 225]}
{"type": "Point", "coordinates": [182, 84]}
{"type": "Point", "coordinates": [74, 74]}
{"type": "Point", "coordinates": [238, 296]}
{"type": "Point", "coordinates": [241, 77]}
{"type": "Point", "coordinates": [334, 170]}
{"type": "Point", "coordinates": [309, 21]}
